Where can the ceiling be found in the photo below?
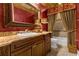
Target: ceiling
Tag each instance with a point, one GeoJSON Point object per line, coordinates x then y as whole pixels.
{"type": "Point", "coordinates": [48, 5]}
{"type": "Point", "coordinates": [44, 5]}
{"type": "Point", "coordinates": [40, 6]}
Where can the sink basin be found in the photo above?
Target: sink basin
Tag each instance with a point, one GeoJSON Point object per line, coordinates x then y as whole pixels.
{"type": "Point", "coordinates": [28, 34]}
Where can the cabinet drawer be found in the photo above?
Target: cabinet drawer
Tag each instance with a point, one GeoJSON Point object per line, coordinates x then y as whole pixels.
{"type": "Point", "coordinates": [36, 43]}
{"type": "Point", "coordinates": [15, 46]}
{"type": "Point", "coordinates": [23, 52]}
{"type": "Point", "coordinates": [38, 38]}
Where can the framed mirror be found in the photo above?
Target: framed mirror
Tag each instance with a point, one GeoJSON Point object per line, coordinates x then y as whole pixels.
{"type": "Point", "coordinates": [19, 15]}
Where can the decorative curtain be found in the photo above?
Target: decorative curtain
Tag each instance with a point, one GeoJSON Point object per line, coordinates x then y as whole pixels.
{"type": "Point", "coordinates": [53, 24]}
{"type": "Point", "coordinates": [69, 18]}
{"type": "Point", "coordinates": [59, 26]}
{"type": "Point", "coordinates": [51, 21]}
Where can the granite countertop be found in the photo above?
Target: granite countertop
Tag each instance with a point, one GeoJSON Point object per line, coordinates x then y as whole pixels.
{"type": "Point", "coordinates": [9, 39]}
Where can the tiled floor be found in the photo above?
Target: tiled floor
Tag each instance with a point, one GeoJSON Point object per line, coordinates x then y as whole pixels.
{"type": "Point", "coordinates": [62, 49]}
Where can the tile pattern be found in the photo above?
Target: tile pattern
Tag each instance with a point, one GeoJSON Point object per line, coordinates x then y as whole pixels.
{"type": "Point", "coordinates": [62, 49]}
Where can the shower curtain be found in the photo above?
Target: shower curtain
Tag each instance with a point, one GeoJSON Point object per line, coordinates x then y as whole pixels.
{"type": "Point", "coordinates": [69, 18]}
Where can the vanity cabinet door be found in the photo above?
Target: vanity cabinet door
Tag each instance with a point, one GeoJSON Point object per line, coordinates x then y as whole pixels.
{"type": "Point", "coordinates": [0, 51]}
{"type": "Point", "coordinates": [5, 50]}
{"type": "Point", "coordinates": [37, 49]}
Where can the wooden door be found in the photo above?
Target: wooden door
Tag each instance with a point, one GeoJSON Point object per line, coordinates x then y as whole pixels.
{"type": "Point", "coordinates": [5, 50]}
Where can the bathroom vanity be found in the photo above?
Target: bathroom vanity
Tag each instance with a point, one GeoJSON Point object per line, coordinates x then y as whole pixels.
{"type": "Point", "coordinates": [33, 44]}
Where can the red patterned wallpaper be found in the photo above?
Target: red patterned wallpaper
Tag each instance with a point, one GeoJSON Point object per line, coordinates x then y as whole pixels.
{"type": "Point", "coordinates": [23, 16]}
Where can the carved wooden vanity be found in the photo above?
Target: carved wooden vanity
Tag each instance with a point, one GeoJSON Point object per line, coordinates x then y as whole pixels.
{"type": "Point", "coordinates": [32, 46]}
